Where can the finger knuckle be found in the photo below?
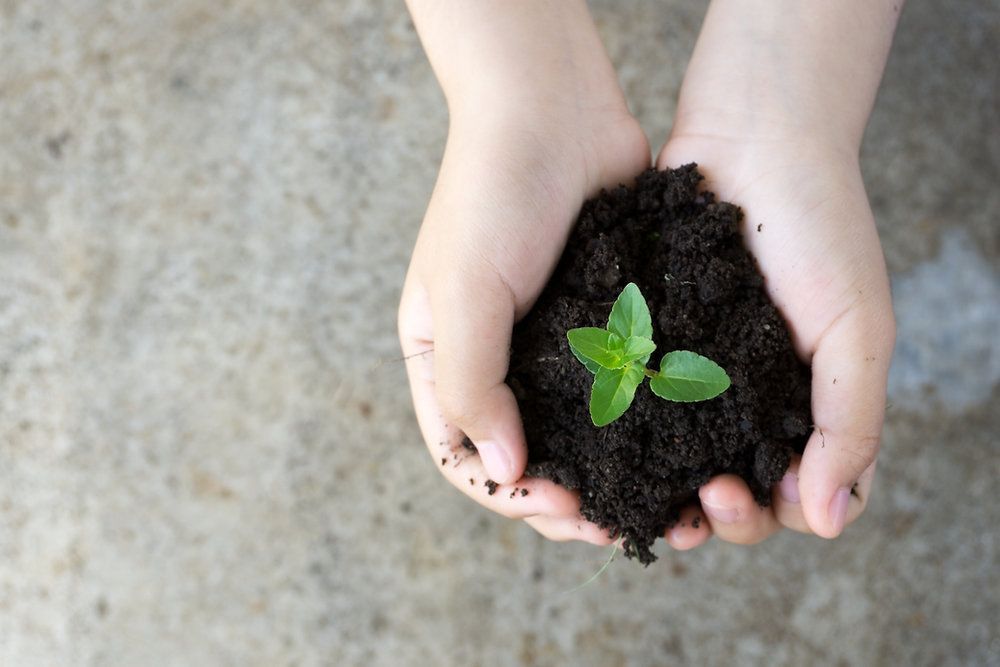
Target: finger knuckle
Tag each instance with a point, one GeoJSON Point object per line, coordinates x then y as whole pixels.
{"type": "Point", "coordinates": [860, 451]}
{"type": "Point", "coordinates": [458, 404]}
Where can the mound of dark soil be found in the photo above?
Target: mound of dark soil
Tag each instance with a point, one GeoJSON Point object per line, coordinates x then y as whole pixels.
{"type": "Point", "coordinates": [684, 251]}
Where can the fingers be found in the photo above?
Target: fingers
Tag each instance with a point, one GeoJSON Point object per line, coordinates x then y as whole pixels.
{"type": "Point", "coordinates": [691, 530]}
{"type": "Point", "coordinates": [473, 319]}
{"type": "Point", "coordinates": [850, 369]}
{"type": "Point", "coordinates": [563, 529]}
{"type": "Point", "coordinates": [733, 514]}
{"type": "Point", "coordinates": [463, 468]}
{"type": "Point", "coordinates": [787, 500]}
{"type": "Point", "coordinates": [524, 498]}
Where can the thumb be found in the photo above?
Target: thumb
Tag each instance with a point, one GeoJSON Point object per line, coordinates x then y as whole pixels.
{"type": "Point", "coordinates": [473, 316]}
{"type": "Point", "coordinates": [850, 370]}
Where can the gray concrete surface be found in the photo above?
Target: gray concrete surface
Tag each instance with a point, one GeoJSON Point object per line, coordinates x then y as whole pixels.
{"type": "Point", "coordinates": [206, 210]}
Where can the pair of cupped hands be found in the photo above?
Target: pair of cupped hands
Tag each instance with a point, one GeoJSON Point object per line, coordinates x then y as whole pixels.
{"type": "Point", "coordinates": [523, 154]}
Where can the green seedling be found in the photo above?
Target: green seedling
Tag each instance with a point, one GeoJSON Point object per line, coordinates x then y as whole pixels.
{"type": "Point", "coordinates": [617, 356]}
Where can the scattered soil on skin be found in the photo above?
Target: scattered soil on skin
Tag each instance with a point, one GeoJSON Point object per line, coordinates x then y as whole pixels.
{"type": "Point", "coordinates": [685, 252]}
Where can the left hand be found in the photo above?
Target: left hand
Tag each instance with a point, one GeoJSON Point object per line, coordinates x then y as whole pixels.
{"type": "Point", "coordinates": [773, 108]}
{"type": "Point", "coordinates": [809, 225]}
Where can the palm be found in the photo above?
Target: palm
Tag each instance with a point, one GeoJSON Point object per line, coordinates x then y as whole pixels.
{"type": "Point", "coordinates": [808, 223]}
{"type": "Point", "coordinates": [542, 181]}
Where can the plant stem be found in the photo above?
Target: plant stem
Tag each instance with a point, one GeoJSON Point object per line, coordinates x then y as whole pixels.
{"type": "Point", "coordinates": [614, 550]}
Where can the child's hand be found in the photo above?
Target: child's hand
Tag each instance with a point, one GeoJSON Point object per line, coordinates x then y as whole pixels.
{"type": "Point", "coordinates": [809, 226]}
{"type": "Point", "coordinates": [532, 135]}
{"type": "Point", "coordinates": [774, 105]}
{"type": "Point", "coordinates": [773, 108]}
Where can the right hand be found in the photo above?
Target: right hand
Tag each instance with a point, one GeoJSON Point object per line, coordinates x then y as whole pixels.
{"type": "Point", "coordinates": [510, 187]}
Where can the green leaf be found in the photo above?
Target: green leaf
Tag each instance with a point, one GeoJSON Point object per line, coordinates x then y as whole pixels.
{"type": "Point", "coordinates": [592, 366]}
{"type": "Point", "coordinates": [598, 346]}
{"type": "Point", "coordinates": [630, 315]}
{"type": "Point", "coordinates": [686, 377]}
{"type": "Point", "coordinates": [638, 349]}
{"type": "Point", "coordinates": [613, 392]}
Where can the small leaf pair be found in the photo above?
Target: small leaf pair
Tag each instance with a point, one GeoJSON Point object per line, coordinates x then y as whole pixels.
{"type": "Point", "coordinates": [600, 348]}
{"type": "Point", "coordinates": [617, 356]}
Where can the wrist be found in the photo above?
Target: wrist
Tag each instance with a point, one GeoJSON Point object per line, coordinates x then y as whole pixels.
{"type": "Point", "coordinates": [517, 58]}
{"type": "Point", "coordinates": [779, 71]}
{"type": "Point", "coordinates": [759, 131]}
{"type": "Point", "coordinates": [581, 87]}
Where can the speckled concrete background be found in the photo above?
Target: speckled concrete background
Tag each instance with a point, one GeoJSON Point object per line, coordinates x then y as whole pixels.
{"type": "Point", "coordinates": [206, 210]}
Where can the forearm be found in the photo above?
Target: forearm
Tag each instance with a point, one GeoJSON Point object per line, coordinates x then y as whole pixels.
{"type": "Point", "coordinates": [788, 68]}
{"type": "Point", "coordinates": [499, 54]}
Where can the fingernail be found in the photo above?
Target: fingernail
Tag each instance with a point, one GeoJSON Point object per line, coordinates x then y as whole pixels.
{"type": "Point", "coordinates": [495, 460]}
{"type": "Point", "coordinates": [838, 509]}
{"type": "Point", "coordinates": [789, 488]}
{"type": "Point", "coordinates": [720, 513]}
